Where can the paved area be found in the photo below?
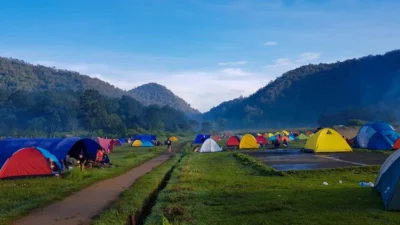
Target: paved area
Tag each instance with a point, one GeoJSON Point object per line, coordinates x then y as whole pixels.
{"type": "Point", "coordinates": [285, 160]}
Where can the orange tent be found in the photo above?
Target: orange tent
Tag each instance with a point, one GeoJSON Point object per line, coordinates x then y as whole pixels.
{"type": "Point", "coordinates": [308, 133]}
{"type": "Point", "coordinates": [397, 144]}
{"type": "Point", "coordinates": [282, 138]}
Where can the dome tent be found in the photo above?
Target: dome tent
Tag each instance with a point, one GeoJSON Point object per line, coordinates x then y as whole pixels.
{"type": "Point", "coordinates": [388, 182]}
{"type": "Point", "coordinates": [233, 141]}
{"type": "Point", "coordinates": [327, 140]}
{"type": "Point", "coordinates": [376, 136]}
{"type": "Point", "coordinates": [210, 146]}
{"type": "Point", "coordinates": [248, 142]}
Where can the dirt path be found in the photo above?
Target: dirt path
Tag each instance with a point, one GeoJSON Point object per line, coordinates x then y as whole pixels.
{"type": "Point", "coordinates": [81, 206]}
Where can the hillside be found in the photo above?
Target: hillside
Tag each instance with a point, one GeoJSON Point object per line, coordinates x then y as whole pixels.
{"type": "Point", "coordinates": [153, 93]}
{"type": "Point", "coordinates": [19, 75]}
{"type": "Point", "coordinates": [366, 88]}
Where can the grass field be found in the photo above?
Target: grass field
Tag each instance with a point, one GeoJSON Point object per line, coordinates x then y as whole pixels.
{"type": "Point", "coordinates": [218, 188]}
{"type": "Point", "coordinates": [134, 199]}
{"type": "Point", "coordinates": [18, 197]}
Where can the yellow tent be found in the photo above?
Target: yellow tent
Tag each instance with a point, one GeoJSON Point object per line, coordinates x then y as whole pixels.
{"type": "Point", "coordinates": [173, 138]}
{"type": "Point", "coordinates": [269, 135]}
{"type": "Point", "coordinates": [137, 143]}
{"type": "Point", "coordinates": [285, 132]}
{"type": "Point", "coordinates": [258, 134]}
{"type": "Point", "coordinates": [248, 141]}
{"type": "Point", "coordinates": [277, 133]}
{"type": "Point", "coordinates": [327, 140]}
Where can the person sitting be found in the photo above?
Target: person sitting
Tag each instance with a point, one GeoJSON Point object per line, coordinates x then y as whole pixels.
{"type": "Point", "coordinates": [285, 144]}
{"type": "Point", "coordinates": [81, 161]}
{"type": "Point", "coordinates": [99, 154]}
{"type": "Point", "coordinates": [106, 159]}
{"type": "Point", "coordinates": [70, 161]}
{"type": "Point", "coordinates": [54, 168]}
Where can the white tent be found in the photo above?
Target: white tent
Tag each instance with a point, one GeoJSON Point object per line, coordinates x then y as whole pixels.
{"type": "Point", "coordinates": [210, 146]}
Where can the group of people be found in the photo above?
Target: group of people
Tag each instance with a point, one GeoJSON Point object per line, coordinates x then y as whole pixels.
{"type": "Point", "coordinates": [277, 143]}
{"type": "Point", "coordinates": [101, 160]}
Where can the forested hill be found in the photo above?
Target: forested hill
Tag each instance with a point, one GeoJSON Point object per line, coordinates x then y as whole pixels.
{"type": "Point", "coordinates": [19, 75]}
{"type": "Point", "coordinates": [367, 88]}
{"type": "Point", "coordinates": [153, 93]}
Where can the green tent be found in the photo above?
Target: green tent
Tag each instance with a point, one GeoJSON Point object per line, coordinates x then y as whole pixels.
{"type": "Point", "coordinates": [302, 137]}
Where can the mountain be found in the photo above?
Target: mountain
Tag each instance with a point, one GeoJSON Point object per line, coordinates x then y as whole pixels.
{"type": "Point", "coordinates": [366, 88]}
{"type": "Point", "coordinates": [19, 75]}
{"type": "Point", "coordinates": [153, 93]}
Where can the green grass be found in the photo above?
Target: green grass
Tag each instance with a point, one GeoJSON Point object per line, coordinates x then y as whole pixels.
{"type": "Point", "coordinates": [18, 197]}
{"type": "Point", "coordinates": [218, 188]}
{"type": "Point", "coordinates": [135, 198]}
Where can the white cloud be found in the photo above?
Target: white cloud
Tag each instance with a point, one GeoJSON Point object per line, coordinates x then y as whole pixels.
{"type": "Point", "coordinates": [271, 43]}
{"type": "Point", "coordinates": [282, 65]}
{"type": "Point", "coordinates": [235, 72]}
{"type": "Point", "coordinates": [202, 89]}
{"type": "Point", "coordinates": [308, 56]}
{"type": "Point", "coordinates": [232, 63]}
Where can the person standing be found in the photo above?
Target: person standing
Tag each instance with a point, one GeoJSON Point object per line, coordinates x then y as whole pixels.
{"type": "Point", "coordinates": [169, 143]}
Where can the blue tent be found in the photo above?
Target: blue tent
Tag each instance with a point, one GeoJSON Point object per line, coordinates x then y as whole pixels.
{"type": "Point", "coordinates": [388, 182]}
{"type": "Point", "coordinates": [59, 147]}
{"type": "Point", "coordinates": [200, 138]}
{"type": "Point", "coordinates": [291, 137]}
{"type": "Point", "coordinates": [376, 136]}
{"type": "Point", "coordinates": [147, 144]}
{"type": "Point", "coordinates": [272, 138]}
{"type": "Point", "coordinates": [48, 155]}
{"type": "Point", "coordinates": [145, 137]}
{"type": "Point", "coordinates": [122, 141]}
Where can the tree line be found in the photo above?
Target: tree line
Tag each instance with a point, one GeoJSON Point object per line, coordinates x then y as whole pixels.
{"type": "Point", "coordinates": [88, 113]}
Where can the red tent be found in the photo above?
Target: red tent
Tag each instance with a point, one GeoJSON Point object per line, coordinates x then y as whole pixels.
{"type": "Point", "coordinates": [308, 133]}
{"type": "Point", "coordinates": [26, 162]}
{"type": "Point", "coordinates": [261, 140]}
{"type": "Point", "coordinates": [117, 142]}
{"type": "Point", "coordinates": [233, 142]}
{"type": "Point", "coordinates": [216, 138]}
{"type": "Point", "coordinates": [397, 144]}
{"type": "Point", "coordinates": [104, 143]}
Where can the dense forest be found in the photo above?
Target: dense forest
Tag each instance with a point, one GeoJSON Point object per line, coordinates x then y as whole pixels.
{"type": "Point", "coordinates": [153, 94]}
{"type": "Point", "coordinates": [325, 94]}
{"type": "Point", "coordinates": [17, 75]}
{"type": "Point", "coordinates": [56, 113]}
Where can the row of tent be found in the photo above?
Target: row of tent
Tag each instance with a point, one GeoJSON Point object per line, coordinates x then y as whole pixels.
{"type": "Point", "coordinates": [139, 141]}
{"type": "Point", "coordinates": [325, 140]}
{"type": "Point", "coordinates": [29, 157]}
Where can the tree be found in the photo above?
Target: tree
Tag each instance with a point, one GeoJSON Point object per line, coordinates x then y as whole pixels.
{"type": "Point", "coordinates": [194, 124]}
{"type": "Point", "coordinates": [206, 127]}
{"type": "Point", "coordinates": [222, 123]}
{"type": "Point", "coordinates": [355, 122]}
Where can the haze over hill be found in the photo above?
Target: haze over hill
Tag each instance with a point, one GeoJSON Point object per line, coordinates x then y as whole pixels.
{"type": "Point", "coordinates": [366, 88]}
{"type": "Point", "coordinates": [153, 93]}
{"type": "Point", "coordinates": [18, 75]}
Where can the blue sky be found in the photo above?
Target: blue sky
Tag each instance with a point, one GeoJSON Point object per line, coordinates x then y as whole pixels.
{"type": "Point", "coordinates": [206, 51]}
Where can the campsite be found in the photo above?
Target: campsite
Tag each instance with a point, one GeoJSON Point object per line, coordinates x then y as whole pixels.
{"type": "Point", "coordinates": [243, 176]}
{"type": "Point", "coordinates": [200, 112]}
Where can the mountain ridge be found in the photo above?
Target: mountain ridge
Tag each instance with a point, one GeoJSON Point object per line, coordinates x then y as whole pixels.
{"type": "Point", "coordinates": [306, 94]}
{"type": "Point", "coordinates": [17, 75]}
